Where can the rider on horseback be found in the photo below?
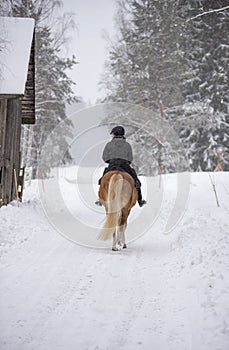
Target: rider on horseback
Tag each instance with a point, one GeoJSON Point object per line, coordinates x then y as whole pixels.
{"type": "Point", "coordinates": [118, 154]}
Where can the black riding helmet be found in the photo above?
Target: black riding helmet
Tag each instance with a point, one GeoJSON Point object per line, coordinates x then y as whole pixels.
{"type": "Point", "coordinates": [118, 131]}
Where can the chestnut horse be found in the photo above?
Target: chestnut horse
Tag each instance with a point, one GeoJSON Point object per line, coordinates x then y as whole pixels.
{"type": "Point", "coordinates": [118, 195]}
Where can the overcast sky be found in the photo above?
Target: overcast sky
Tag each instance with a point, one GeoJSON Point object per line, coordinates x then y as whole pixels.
{"type": "Point", "coordinates": [92, 17]}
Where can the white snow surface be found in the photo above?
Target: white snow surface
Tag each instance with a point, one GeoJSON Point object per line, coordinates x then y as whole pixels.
{"type": "Point", "coordinates": [164, 292]}
{"type": "Point", "coordinates": [16, 39]}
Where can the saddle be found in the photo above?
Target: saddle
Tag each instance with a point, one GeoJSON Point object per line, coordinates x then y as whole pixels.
{"type": "Point", "coordinates": [118, 165]}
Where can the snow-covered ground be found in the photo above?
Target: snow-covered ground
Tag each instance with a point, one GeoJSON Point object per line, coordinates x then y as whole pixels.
{"type": "Point", "coordinates": [164, 292]}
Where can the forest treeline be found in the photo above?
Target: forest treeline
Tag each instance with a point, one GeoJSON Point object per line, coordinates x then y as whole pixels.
{"type": "Point", "coordinates": [171, 57]}
{"type": "Point", "coordinates": [168, 57]}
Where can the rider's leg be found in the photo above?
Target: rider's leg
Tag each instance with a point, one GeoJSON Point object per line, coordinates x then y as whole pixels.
{"type": "Point", "coordinates": [141, 201]}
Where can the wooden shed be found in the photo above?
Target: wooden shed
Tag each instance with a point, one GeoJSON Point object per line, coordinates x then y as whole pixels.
{"type": "Point", "coordinates": [17, 98]}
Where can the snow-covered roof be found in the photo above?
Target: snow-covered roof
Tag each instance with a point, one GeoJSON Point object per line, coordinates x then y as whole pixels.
{"type": "Point", "coordinates": [15, 44]}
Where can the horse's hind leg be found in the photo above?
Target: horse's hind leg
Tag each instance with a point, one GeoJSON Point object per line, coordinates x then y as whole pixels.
{"type": "Point", "coordinates": [123, 224]}
{"type": "Point", "coordinates": [114, 245]}
{"type": "Point", "coordinates": [124, 241]}
{"type": "Point", "coordinates": [122, 236]}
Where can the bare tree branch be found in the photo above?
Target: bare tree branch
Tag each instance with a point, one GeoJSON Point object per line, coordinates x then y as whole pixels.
{"type": "Point", "coordinates": [207, 12]}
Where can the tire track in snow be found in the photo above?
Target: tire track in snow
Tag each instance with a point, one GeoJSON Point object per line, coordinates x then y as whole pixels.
{"type": "Point", "coordinates": [137, 324]}
{"type": "Point", "coordinates": [154, 302]}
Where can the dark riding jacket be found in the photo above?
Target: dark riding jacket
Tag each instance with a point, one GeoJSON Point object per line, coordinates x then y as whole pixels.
{"type": "Point", "coordinates": [118, 148]}
{"type": "Point", "coordinates": [118, 153]}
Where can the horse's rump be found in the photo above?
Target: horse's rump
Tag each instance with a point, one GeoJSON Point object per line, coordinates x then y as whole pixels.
{"type": "Point", "coordinates": [118, 194]}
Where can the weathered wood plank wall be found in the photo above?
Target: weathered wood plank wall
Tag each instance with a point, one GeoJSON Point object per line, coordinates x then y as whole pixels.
{"type": "Point", "coordinates": [10, 147]}
{"type": "Point", "coordinates": [28, 100]}
{"type": "Point", "coordinates": [3, 112]}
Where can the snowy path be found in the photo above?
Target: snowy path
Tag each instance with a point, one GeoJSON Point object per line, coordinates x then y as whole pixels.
{"type": "Point", "coordinates": [163, 292]}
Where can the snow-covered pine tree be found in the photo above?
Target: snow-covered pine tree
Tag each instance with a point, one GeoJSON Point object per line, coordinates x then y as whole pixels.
{"type": "Point", "coordinates": [205, 84]}
{"type": "Point", "coordinates": [146, 57]}
{"type": "Point", "coordinates": [144, 68]}
{"type": "Point", "coordinates": [53, 90]}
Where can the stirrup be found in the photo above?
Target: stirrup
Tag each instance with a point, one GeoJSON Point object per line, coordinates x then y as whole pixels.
{"type": "Point", "coordinates": [98, 203]}
{"type": "Point", "coordinates": [142, 202]}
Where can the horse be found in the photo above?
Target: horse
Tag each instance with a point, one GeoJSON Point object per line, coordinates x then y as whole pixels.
{"type": "Point", "coordinates": [118, 195]}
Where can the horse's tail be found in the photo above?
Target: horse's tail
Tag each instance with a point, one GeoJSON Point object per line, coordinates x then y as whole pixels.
{"type": "Point", "coordinates": [114, 207]}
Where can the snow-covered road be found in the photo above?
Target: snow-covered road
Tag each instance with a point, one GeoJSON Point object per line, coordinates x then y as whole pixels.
{"type": "Point", "coordinates": [164, 292]}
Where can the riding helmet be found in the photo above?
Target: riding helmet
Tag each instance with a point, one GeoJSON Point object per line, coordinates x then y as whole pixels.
{"type": "Point", "coordinates": [118, 131]}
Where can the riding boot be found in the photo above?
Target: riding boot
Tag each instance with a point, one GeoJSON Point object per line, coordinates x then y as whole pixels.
{"type": "Point", "coordinates": [141, 201]}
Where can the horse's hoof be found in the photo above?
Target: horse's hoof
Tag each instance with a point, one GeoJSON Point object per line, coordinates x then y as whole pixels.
{"type": "Point", "coordinates": [124, 246]}
{"type": "Point", "coordinates": [115, 249]}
